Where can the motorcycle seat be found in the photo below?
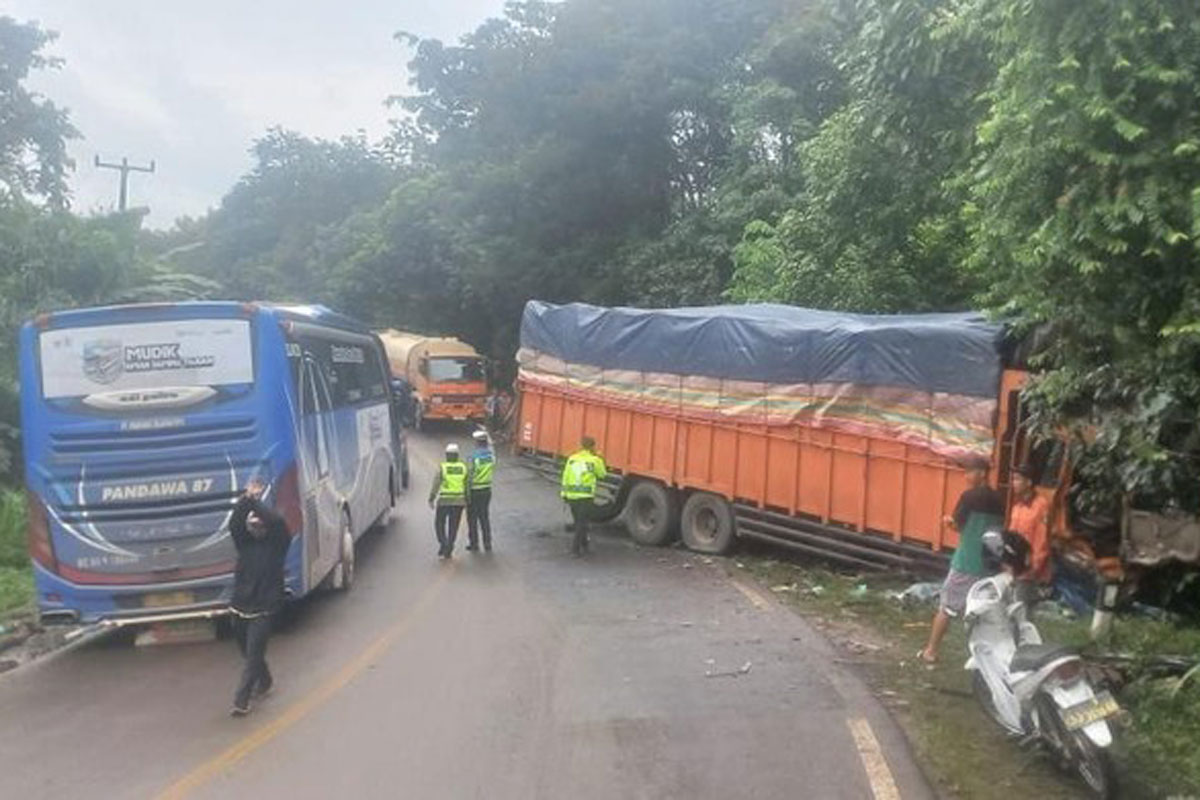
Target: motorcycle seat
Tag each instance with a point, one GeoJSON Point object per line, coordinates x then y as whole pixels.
{"type": "Point", "coordinates": [1030, 657]}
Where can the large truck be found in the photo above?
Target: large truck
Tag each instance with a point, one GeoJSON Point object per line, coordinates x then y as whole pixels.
{"type": "Point", "coordinates": [447, 376]}
{"type": "Point", "coordinates": [838, 435]}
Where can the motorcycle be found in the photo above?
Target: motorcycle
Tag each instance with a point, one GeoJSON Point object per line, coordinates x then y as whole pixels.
{"type": "Point", "coordinates": [1033, 690]}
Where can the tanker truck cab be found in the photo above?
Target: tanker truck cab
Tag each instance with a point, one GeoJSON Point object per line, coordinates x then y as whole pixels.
{"type": "Point", "coordinates": [448, 377]}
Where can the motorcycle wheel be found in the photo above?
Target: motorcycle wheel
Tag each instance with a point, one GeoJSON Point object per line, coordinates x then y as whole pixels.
{"type": "Point", "coordinates": [1077, 753]}
{"type": "Point", "coordinates": [983, 693]}
{"type": "Point", "coordinates": [1094, 766]}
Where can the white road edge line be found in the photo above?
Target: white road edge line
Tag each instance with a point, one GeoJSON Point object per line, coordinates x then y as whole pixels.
{"type": "Point", "coordinates": [883, 785]}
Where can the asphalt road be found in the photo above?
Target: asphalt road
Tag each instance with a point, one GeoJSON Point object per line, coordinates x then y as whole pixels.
{"type": "Point", "coordinates": [524, 674]}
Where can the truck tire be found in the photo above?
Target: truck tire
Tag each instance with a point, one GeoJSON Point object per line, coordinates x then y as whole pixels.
{"type": "Point", "coordinates": [707, 524]}
{"type": "Point", "coordinates": [652, 513]}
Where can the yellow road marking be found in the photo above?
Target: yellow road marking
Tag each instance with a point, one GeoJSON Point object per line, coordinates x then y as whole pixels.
{"type": "Point", "coordinates": [883, 786]}
{"type": "Point", "coordinates": [756, 599]}
{"type": "Point", "coordinates": [303, 707]}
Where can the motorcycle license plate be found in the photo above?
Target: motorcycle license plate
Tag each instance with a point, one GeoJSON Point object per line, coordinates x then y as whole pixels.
{"type": "Point", "coordinates": [1102, 706]}
{"type": "Point", "coordinates": [168, 599]}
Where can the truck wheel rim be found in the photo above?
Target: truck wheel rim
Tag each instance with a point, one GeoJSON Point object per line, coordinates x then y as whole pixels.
{"type": "Point", "coordinates": [646, 514]}
{"type": "Point", "coordinates": [705, 525]}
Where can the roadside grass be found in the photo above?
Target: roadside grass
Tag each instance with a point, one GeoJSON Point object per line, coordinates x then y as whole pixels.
{"type": "Point", "coordinates": [16, 578]}
{"type": "Point", "coordinates": [963, 751]}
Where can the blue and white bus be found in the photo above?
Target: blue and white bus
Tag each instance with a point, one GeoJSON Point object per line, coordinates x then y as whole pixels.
{"type": "Point", "coordinates": [141, 425]}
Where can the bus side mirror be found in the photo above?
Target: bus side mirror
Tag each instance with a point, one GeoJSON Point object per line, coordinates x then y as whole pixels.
{"type": "Point", "coordinates": [423, 367]}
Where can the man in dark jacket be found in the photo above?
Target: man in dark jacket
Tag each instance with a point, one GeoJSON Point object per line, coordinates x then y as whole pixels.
{"type": "Point", "coordinates": [261, 538]}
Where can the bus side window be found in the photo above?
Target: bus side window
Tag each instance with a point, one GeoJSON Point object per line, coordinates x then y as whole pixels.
{"type": "Point", "coordinates": [314, 406]}
{"type": "Point", "coordinates": [349, 390]}
{"type": "Point", "coordinates": [375, 379]}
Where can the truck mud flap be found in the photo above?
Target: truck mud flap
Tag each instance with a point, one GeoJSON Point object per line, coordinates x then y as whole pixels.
{"type": "Point", "coordinates": [861, 550]}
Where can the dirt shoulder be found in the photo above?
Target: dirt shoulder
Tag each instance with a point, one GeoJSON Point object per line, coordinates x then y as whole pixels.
{"type": "Point", "coordinates": [963, 752]}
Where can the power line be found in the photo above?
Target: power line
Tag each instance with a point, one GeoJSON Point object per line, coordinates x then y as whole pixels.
{"type": "Point", "coordinates": [125, 168]}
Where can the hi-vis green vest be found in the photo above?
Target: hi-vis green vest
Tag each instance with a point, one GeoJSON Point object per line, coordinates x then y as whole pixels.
{"type": "Point", "coordinates": [483, 465]}
{"type": "Point", "coordinates": [454, 480]}
{"type": "Point", "coordinates": [580, 474]}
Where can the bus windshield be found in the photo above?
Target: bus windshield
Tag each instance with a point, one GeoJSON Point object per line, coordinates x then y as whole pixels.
{"type": "Point", "coordinates": [115, 364]}
{"type": "Point", "coordinates": [455, 369]}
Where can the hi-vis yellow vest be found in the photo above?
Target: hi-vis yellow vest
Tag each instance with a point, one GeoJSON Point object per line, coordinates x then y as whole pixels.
{"type": "Point", "coordinates": [454, 480]}
{"type": "Point", "coordinates": [483, 464]}
{"type": "Point", "coordinates": [580, 474]}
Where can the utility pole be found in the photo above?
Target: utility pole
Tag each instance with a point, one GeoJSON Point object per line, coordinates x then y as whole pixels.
{"type": "Point", "coordinates": [125, 167]}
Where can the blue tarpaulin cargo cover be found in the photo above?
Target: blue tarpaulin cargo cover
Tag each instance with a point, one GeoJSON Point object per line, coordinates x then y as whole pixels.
{"type": "Point", "coordinates": [955, 353]}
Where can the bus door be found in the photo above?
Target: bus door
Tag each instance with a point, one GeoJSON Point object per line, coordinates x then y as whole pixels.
{"type": "Point", "coordinates": [322, 511]}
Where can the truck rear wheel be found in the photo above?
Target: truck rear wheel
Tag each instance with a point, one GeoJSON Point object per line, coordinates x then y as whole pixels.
{"type": "Point", "coordinates": [707, 525]}
{"type": "Point", "coordinates": [652, 513]}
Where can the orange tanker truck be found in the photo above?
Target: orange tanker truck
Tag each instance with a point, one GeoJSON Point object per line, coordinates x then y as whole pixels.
{"type": "Point", "coordinates": [447, 376]}
{"type": "Point", "coordinates": [838, 435]}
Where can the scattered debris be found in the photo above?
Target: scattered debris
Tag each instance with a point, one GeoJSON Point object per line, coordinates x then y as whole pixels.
{"type": "Point", "coordinates": [856, 646]}
{"type": "Point", "coordinates": [918, 593]}
{"type": "Point", "coordinates": [1191, 673]}
{"type": "Point", "coordinates": [784, 587]}
{"type": "Point", "coordinates": [742, 670]}
{"type": "Point", "coordinates": [1052, 608]}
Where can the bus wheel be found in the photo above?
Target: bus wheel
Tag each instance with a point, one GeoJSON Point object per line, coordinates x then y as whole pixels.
{"type": "Point", "coordinates": [707, 524]}
{"type": "Point", "coordinates": [652, 513]}
{"type": "Point", "coordinates": [343, 572]}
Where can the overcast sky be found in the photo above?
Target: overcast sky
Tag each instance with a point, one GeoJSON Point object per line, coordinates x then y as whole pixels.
{"type": "Point", "coordinates": [191, 84]}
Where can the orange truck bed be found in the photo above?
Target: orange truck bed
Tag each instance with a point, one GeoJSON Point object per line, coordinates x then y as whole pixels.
{"type": "Point", "coordinates": [868, 497]}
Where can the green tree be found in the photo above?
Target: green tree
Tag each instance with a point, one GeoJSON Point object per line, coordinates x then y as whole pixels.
{"type": "Point", "coordinates": [875, 225]}
{"type": "Point", "coordinates": [33, 131]}
{"type": "Point", "coordinates": [1085, 217]}
{"type": "Point", "coordinates": [259, 244]}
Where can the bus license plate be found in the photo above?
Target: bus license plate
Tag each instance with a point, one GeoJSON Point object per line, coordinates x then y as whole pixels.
{"type": "Point", "coordinates": [1103, 706]}
{"type": "Point", "coordinates": [168, 599]}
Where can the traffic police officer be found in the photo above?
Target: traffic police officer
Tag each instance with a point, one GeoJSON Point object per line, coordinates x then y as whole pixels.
{"type": "Point", "coordinates": [480, 470]}
{"type": "Point", "coordinates": [449, 495]}
{"type": "Point", "coordinates": [583, 469]}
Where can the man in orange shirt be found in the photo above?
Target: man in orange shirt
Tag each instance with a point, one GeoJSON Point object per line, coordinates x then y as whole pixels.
{"type": "Point", "coordinates": [1030, 517]}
